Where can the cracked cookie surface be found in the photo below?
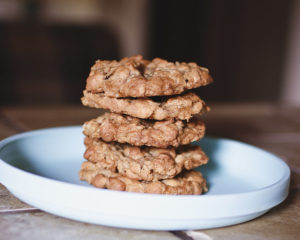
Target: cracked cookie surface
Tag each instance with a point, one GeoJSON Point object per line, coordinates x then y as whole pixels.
{"type": "Point", "coordinates": [138, 132]}
{"type": "Point", "coordinates": [187, 183]}
{"type": "Point", "coordinates": [143, 163]}
{"type": "Point", "coordinates": [137, 77]}
{"type": "Point", "coordinates": [180, 107]}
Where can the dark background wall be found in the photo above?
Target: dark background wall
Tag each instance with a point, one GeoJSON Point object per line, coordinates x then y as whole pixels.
{"type": "Point", "coordinates": [48, 63]}
{"type": "Point", "coordinates": [243, 43]}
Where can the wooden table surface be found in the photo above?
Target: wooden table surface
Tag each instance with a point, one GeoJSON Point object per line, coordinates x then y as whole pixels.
{"type": "Point", "coordinates": [269, 126]}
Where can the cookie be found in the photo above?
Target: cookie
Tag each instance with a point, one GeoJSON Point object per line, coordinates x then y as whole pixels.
{"type": "Point", "coordinates": [126, 129]}
{"type": "Point", "coordinates": [143, 163]}
{"type": "Point", "coordinates": [137, 77]}
{"type": "Point", "coordinates": [188, 182]}
{"type": "Point", "coordinates": [160, 108]}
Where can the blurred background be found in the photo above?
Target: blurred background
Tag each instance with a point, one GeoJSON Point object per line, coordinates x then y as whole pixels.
{"type": "Point", "coordinates": [252, 48]}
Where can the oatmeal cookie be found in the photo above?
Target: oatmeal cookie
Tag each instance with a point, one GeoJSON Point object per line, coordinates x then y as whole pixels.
{"type": "Point", "coordinates": [143, 163]}
{"type": "Point", "coordinates": [126, 129]}
{"type": "Point", "coordinates": [161, 108]}
{"type": "Point", "coordinates": [137, 77]}
{"type": "Point", "coordinates": [188, 182]}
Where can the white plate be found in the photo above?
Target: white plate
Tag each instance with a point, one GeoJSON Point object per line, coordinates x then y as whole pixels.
{"type": "Point", "coordinates": [41, 168]}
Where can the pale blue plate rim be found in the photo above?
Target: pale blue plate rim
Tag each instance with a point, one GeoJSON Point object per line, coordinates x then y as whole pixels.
{"type": "Point", "coordinates": [30, 133]}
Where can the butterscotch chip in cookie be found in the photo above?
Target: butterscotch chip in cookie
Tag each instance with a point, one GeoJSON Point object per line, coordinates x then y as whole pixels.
{"type": "Point", "coordinates": [137, 77]}
{"type": "Point", "coordinates": [188, 182]}
{"type": "Point", "coordinates": [160, 108]}
{"type": "Point", "coordinates": [126, 129]}
{"type": "Point", "coordinates": [143, 163]}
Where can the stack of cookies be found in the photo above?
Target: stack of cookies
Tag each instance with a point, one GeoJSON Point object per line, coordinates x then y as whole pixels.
{"type": "Point", "coordinates": [143, 143]}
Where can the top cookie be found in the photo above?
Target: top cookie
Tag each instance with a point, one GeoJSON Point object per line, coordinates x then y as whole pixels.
{"type": "Point", "coordinates": [137, 77]}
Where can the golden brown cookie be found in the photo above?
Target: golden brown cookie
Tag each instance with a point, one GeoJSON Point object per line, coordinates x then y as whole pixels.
{"type": "Point", "coordinates": [188, 182]}
{"type": "Point", "coordinates": [161, 108]}
{"type": "Point", "coordinates": [143, 163]}
{"type": "Point", "coordinates": [125, 129]}
{"type": "Point", "coordinates": [137, 77]}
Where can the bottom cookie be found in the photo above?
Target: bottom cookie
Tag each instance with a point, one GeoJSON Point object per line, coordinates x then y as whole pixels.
{"type": "Point", "coordinates": [186, 183]}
